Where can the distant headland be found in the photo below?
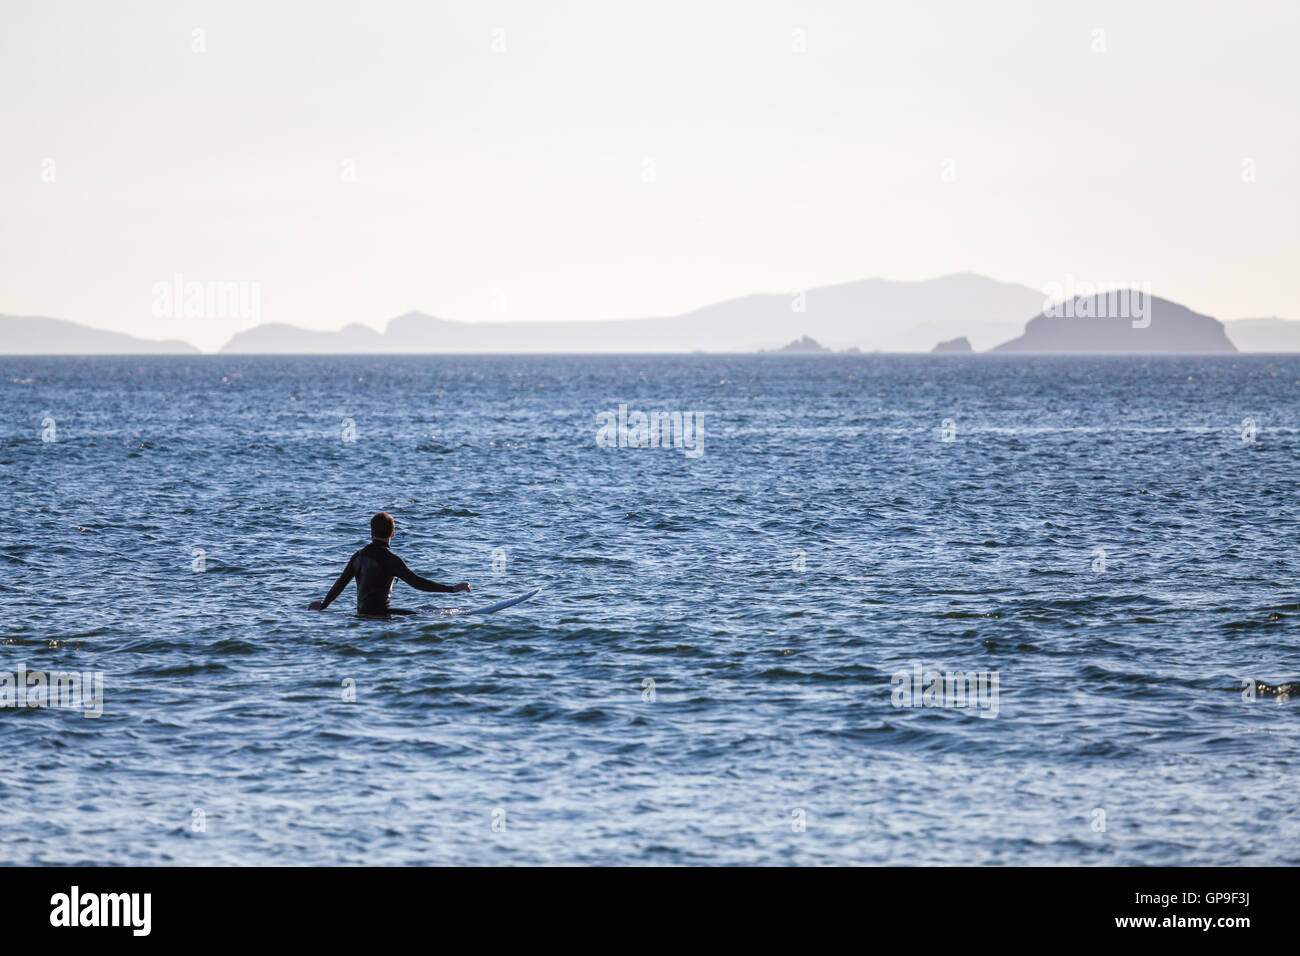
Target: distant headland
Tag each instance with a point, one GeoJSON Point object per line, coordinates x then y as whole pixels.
{"type": "Point", "coordinates": [37, 335]}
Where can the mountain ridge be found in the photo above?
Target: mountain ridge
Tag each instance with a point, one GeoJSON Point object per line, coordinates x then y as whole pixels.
{"type": "Point", "coordinates": [871, 314]}
{"type": "Point", "coordinates": [865, 314]}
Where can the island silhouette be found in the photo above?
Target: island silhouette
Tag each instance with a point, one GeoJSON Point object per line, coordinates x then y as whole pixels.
{"type": "Point", "coordinates": [1127, 322]}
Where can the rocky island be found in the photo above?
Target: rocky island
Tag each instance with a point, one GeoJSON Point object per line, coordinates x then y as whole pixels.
{"type": "Point", "coordinates": [1122, 323]}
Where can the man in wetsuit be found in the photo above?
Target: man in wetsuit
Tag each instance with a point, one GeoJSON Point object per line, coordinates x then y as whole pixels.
{"type": "Point", "coordinates": [375, 567]}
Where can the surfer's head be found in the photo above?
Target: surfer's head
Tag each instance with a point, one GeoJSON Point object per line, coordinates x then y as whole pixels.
{"type": "Point", "coordinates": [382, 526]}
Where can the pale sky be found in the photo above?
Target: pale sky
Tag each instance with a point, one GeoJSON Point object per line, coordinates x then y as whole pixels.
{"type": "Point", "coordinates": [587, 160]}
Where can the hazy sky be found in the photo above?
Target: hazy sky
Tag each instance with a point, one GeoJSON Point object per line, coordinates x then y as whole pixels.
{"type": "Point", "coordinates": [540, 160]}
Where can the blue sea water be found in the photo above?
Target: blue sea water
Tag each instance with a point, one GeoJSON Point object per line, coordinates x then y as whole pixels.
{"type": "Point", "coordinates": [714, 670]}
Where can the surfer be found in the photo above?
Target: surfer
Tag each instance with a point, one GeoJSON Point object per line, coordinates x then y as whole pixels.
{"type": "Point", "coordinates": [375, 567]}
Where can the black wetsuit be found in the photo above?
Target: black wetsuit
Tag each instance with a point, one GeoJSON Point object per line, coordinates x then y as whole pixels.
{"type": "Point", "coordinates": [375, 567]}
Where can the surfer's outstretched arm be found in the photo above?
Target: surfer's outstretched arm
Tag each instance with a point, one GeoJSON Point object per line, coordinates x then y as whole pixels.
{"type": "Point", "coordinates": [335, 591]}
{"type": "Point", "coordinates": [407, 576]}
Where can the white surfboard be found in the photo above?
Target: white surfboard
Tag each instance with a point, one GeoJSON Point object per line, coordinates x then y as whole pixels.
{"type": "Point", "coordinates": [493, 608]}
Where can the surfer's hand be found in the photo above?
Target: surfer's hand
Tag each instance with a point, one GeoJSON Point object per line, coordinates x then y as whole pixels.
{"type": "Point", "coordinates": [463, 587]}
{"type": "Point", "coordinates": [315, 606]}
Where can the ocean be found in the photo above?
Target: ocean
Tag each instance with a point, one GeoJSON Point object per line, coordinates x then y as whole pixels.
{"type": "Point", "coordinates": [850, 610]}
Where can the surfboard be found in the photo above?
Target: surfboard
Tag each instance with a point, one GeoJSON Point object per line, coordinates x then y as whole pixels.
{"type": "Point", "coordinates": [493, 608]}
